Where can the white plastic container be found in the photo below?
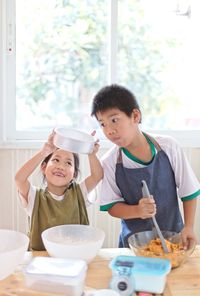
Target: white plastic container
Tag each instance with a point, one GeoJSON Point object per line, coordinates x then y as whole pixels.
{"type": "Point", "coordinates": [56, 275]}
{"type": "Point", "coordinates": [139, 273]}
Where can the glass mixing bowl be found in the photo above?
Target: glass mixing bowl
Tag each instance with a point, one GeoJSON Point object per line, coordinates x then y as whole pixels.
{"type": "Point", "coordinates": [147, 244]}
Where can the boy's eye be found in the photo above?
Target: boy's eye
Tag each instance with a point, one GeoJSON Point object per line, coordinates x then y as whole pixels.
{"type": "Point", "coordinates": [114, 120]}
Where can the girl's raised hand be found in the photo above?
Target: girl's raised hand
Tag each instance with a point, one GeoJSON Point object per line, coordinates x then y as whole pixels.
{"type": "Point", "coordinates": [49, 146]}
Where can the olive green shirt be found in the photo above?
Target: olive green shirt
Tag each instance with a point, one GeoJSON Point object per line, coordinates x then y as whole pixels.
{"type": "Point", "coordinates": [48, 212]}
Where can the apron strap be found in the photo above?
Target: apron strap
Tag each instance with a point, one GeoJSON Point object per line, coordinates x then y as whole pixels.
{"type": "Point", "coordinates": [158, 148]}
{"type": "Point", "coordinates": [119, 157]}
{"type": "Point", "coordinates": [153, 141]}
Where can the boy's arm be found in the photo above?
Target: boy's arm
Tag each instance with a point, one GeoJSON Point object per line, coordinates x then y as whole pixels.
{"type": "Point", "coordinates": [146, 208]}
{"type": "Point", "coordinates": [189, 209]}
{"type": "Point", "coordinates": [96, 170]}
{"type": "Point", "coordinates": [22, 175]}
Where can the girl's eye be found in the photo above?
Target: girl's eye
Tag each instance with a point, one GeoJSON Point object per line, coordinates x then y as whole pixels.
{"type": "Point", "coordinates": [69, 163]}
{"type": "Point", "coordinates": [55, 160]}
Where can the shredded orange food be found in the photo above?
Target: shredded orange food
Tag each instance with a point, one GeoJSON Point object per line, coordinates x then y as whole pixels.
{"type": "Point", "coordinates": [155, 246]}
{"type": "Point", "coordinates": [155, 249]}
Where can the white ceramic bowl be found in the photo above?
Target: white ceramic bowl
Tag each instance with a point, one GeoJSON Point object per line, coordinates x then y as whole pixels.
{"type": "Point", "coordinates": [73, 241]}
{"type": "Point", "coordinates": [13, 246]}
{"type": "Point", "coordinates": [73, 140]}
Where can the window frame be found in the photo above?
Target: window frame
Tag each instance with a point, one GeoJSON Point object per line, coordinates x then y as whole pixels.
{"type": "Point", "coordinates": [11, 138]}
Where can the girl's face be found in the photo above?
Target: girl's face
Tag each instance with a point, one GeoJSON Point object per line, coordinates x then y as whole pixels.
{"type": "Point", "coordinates": [118, 127]}
{"type": "Point", "coordinates": [59, 170]}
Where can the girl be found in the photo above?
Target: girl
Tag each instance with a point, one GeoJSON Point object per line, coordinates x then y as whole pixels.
{"type": "Point", "coordinates": [63, 201]}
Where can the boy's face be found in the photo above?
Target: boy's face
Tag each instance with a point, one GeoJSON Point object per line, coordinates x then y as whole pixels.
{"type": "Point", "coordinates": [118, 127]}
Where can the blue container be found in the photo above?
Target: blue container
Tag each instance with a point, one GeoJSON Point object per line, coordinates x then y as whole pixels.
{"type": "Point", "coordinates": [134, 273]}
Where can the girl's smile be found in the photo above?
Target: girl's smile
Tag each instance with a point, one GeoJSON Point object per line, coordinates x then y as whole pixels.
{"type": "Point", "coordinates": [58, 174]}
{"type": "Point", "coordinates": [59, 171]}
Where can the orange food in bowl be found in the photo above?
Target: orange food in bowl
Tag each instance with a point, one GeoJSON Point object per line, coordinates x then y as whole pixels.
{"type": "Point", "coordinates": [145, 244]}
{"type": "Point", "coordinates": [156, 246]}
{"type": "Point", "coordinates": [154, 249]}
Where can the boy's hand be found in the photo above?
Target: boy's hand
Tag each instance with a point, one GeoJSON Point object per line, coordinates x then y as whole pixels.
{"type": "Point", "coordinates": [147, 208]}
{"type": "Point", "coordinates": [188, 237]}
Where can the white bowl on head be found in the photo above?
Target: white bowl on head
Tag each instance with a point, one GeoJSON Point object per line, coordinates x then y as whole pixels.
{"type": "Point", "coordinates": [73, 241]}
{"type": "Point", "coordinates": [73, 140]}
{"type": "Point", "coordinates": [13, 246]}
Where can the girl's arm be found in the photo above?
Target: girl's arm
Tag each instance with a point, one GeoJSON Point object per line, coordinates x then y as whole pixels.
{"type": "Point", "coordinates": [96, 170]}
{"type": "Point", "coordinates": [22, 175]}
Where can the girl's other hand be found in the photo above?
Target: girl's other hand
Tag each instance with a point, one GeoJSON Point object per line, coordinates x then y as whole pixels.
{"type": "Point", "coordinates": [96, 144]}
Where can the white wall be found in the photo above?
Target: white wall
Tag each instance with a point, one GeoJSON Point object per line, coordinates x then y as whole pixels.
{"type": "Point", "coordinates": [13, 217]}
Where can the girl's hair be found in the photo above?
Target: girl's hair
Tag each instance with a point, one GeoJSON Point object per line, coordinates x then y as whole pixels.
{"type": "Point", "coordinates": [76, 163]}
{"type": "Point", "coordinates": [114, 96]}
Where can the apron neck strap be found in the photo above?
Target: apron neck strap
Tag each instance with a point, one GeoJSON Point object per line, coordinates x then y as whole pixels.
{"type": "Point", "coordinates": [119, 157]}
{"type": "Point", "coordinates": [158, 148]}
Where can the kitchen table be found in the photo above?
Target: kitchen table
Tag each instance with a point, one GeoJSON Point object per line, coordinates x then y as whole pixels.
{"type": "Point", "coordinates": [182, 281]}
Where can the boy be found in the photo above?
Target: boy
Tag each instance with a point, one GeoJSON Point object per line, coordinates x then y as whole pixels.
{"type": "Point", "coordinates": [137, 156]}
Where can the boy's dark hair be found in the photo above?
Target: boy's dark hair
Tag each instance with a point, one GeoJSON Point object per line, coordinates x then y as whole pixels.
{"type": "Point", "coordinates": [114, 96]}
{"type": "Point", "coordinates": [76, 163]}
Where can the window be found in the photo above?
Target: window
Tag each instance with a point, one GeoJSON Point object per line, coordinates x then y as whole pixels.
{"type": "Point", "coordinates": [64, 51]}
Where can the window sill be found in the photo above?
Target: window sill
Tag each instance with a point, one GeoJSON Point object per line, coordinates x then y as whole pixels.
{"type": "Point", "coordinates": [187, 139]}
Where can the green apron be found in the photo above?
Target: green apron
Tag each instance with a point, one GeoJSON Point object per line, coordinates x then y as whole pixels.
{"type": "Point", "coordinates": [48, 212]}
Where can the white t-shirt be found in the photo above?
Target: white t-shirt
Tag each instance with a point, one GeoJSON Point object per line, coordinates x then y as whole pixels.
{"type": "Point", "coordinates": [186, 182]}
{"type": "Point", "coordinates": [28, 207]}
